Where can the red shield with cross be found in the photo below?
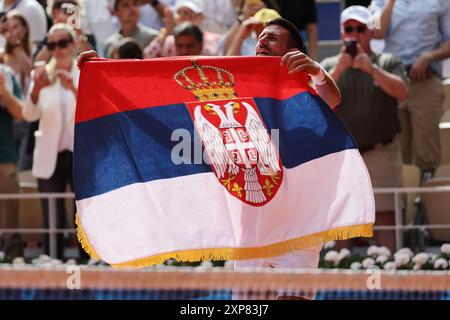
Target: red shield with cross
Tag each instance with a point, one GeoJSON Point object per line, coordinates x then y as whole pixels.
{"type": "Point", "coordinates": [239, 148]}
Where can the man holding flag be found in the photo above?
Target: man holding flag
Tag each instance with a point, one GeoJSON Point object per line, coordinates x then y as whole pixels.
{"type": "Point", "coordinates": [269, 203]}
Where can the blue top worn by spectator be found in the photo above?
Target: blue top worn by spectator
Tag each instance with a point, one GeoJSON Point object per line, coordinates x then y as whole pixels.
{"type": "Point", "coordinates": [416, 27]}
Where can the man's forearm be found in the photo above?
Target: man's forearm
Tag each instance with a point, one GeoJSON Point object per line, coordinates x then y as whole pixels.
{"type": "Point", "coordinates": [336, 74]}
{"type": "Point", "coordinates": [329, 91]}
{"type": "Point", "coordinates": [236, 43]}
{"type": "Point", "coordinates": [385, 20]}
{"type": "Point", "coordinates": [390, 83]}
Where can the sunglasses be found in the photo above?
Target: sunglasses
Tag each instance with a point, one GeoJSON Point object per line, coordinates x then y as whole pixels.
{"type": "Point", "coordinates": [61, 44]}
{"type": "Point", "coordinates": [359, 29]}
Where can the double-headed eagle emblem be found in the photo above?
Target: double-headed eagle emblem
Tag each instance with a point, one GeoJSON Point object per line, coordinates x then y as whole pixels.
{"type": "Point", "coordinates": [239, 148]}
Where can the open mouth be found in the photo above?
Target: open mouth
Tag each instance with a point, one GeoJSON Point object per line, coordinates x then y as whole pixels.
{"type": "Point", "coordinates": [262, 52]}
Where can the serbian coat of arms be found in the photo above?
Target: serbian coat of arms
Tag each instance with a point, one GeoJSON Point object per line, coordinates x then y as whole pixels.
{"type": "Point", "coordinates": [239, 148]}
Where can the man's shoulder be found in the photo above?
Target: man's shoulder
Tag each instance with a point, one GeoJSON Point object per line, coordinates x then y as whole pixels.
{"type": "Point", "coordinates": [146, 31]}
{"type": "Point", "coordinates": [115, 37]}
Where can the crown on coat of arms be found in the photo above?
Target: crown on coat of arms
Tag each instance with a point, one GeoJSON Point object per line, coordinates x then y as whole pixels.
{"type": "Point", "coordinates": [217, 87]}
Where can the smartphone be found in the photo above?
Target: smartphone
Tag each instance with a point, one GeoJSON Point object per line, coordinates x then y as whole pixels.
{"type": "Point", "coordinates": [350, 46]}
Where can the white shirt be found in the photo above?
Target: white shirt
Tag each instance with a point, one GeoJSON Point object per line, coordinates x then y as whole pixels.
{"type": "Point", "coordinates": [33, 13]}
{"type": "Point", "coordinates": [219, 16]}
{"type": "Point", "coordinates": [65, 138]}
{"type": "Point", "coordinates": [97, 20]}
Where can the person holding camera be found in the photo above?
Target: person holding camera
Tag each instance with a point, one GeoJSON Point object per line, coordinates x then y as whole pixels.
{"type": "Point", "coordinates": [372, 86]}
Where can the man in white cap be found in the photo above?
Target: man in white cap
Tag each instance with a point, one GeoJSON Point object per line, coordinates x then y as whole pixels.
{"type": "Point", "coordinates": [372, 86]}
{"type": "Point", "coordinates": [127, 11]}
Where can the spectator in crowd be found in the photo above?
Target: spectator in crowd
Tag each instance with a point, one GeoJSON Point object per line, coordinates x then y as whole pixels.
{"type": "Point", "coordinates": [43, 4]}
{"type": "Point", "coordinates": [10, 108]}
{"type": "Point", "coordinates": [220, 15]}
{"type": "Point", "coordinates": [372, 86]}
{"type": "Point", "coordinates": [127, 11]}
{"type": "Point", "coordinates": [66, 11]}
{"type": "Point", "coordinates": [153, 12]}
{"type": "Point", "coordinates": [18, 49]}
{"type": "Point", "coordinates": [303, 14]}
{"type": "Point", "coordinates": [33, 13]}
{"type": "Point", "coordinates": [418, 33]}
{"type": "Point", "coordinates": [18, 57]}
{"type": "Point", "coordinates": [97, 20]}
{"type": "Point", "coordinates": [52, 100]}
{"type": "Point", "coordinates": [242, 37]}
{"type": "Point", "coordinates": [188, 39]}
{"type": "Point", "coordinates": [128, 48]}
{"type": "Point", "coordinates": [185, 10]}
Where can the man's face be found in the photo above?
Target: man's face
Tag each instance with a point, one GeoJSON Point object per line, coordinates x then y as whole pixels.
{"type": "Point", "coordinates": [127, 11]}
{"type": "Point", "coordinates": [273, 41]}
{"type": "Point", "coordinates": [359, 31]}
{"type": "Point", "coordinates": [188, 46]}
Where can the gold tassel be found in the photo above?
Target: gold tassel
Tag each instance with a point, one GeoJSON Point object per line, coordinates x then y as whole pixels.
{"type": "Point", "coordinates": [82, 238]}
{"type": "Point", "coordinates": [276, 249]}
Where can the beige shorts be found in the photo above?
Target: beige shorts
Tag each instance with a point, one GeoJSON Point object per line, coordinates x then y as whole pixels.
{"type": "Point", "coordinates": [384, 163]}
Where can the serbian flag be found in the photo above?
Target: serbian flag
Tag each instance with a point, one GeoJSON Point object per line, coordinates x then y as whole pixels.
{"type": "Point", "coordinates": [211, 159]}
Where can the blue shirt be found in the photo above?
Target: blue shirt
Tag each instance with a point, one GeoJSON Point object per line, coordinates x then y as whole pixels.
{"type": "Point", "coordinates": [416, 26]}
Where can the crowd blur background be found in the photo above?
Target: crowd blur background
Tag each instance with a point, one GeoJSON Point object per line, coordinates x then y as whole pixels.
{"type": "Point", "coordinates": [389, 58]}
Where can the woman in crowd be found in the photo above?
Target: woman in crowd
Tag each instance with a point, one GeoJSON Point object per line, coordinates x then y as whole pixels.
{"type": "Point", "coordinates": [52, 100]}
{"type": "Point", "coordinates": [69, 12]}
{"type": "Point", "coordinates": [18, 49]}
{"type": "Point", "coordinates": [17, 56]}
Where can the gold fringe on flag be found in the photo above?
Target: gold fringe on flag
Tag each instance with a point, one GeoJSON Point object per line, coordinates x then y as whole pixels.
{"type": "Point", "coordinates": [82, 238]}
{"type": "Point", "coordinates": [272, 250]}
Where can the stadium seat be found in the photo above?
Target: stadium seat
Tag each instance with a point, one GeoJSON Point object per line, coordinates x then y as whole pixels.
{"type": "Point", "coordinates": [411, 178]}
{"type": "Point", "coordinates": [443, 171]}
{"type": "Point", "coordinates": [446, 84]}
{"type": "Point", "coordinates": [438, 209]}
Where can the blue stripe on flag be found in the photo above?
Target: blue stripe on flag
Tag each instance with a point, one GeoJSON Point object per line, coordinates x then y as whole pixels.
{"type": "Point", "coordinates": [135, 146]}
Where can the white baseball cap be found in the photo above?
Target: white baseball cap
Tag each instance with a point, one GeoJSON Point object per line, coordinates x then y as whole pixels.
{"type": "Point", "coordinates": [358, 13]}
{"type": "Point", "coordinates": [195, 5]}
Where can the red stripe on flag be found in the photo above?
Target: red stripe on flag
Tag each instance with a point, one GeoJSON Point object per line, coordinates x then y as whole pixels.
{"type": "Point", "coordinates": [111, 86]}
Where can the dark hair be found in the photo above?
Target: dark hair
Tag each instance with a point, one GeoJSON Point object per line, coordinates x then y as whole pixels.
{"type": "Point", "coordinates": [295, 39]}
{"type": "Point", "coordinates": [128, 48]}
{"type": "Point", "coordinates": [189, 29]}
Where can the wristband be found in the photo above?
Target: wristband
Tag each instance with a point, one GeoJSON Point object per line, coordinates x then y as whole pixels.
{"type": "Point", "coordinates": [320, 78]}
